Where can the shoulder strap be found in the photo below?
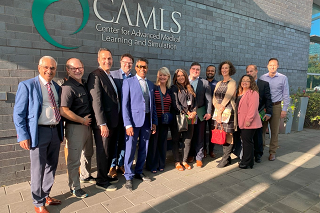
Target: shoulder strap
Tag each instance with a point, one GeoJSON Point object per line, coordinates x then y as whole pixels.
{"type": "Point", "coordinates": [161, 98]}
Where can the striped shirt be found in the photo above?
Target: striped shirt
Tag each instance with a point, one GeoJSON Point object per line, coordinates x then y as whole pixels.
{"type": "Point", "coordinates": [166, 102]}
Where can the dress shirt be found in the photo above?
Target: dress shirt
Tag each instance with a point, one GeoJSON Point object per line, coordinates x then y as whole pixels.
{"type": "Point", "coordinates": [194, 83]}
{"type": "Point", "coordinates": [279, 88]}
{"type": "Point", "coordinates": [124, 76]}
{"type": "Point", "coordinates": [47, 116]}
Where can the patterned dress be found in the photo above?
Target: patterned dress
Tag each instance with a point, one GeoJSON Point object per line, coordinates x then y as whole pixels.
{"type": "Point", "coordinates": [219, 95]}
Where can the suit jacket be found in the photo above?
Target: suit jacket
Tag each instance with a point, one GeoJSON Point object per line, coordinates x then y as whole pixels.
{"type": "Point", "coordinates": [264, 96]}
{"type": "Point", "coordinates": [27, 110]}
{"type": "Point", "coordinates": [133, 106]}
{"type": "Point", "coordinates": [203, 95]}
{"type": "Point", "coordinates": [248, 110]}
{"type": "Point", "coordinates": [104, 98]}
{"type": "Point", "coordinates": [117, 74]}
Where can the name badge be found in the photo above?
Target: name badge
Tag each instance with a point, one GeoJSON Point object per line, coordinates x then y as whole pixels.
{"type": "Point", "coordinates": [189, 102]}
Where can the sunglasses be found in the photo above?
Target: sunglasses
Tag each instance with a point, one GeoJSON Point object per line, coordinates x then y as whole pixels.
{"type": "Point", "coordinates": [141, 67]}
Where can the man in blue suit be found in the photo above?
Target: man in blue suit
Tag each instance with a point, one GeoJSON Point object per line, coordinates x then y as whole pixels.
{"type": "Point", "coordinates": [39, 129]}
{"type": "Point", "coordinates": [139, 118]}
{"type": "Point", "coordinates": [126, 62]}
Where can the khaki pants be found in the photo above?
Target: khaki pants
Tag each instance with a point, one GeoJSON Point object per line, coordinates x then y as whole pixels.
{"type": "Point", "coordinates": [274, 122]}
{"type": "Point", "coordinates": [80, 151]}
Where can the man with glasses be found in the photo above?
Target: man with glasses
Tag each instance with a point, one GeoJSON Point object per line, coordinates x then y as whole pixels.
{"type": "Point", "coordinates": [124, 72]}
{"type": "Point", "coordinates": [204, 108]}
{"type": "Point", "coordinates": [140, 120]}
{"type": "Point", "coordinates": [76, 108]}
{"type": "Point", "coordinates": [279, 89]}
{"type": "Point", "coordinates": [39, 129]}
{"type": "Point", "coordinates": [105, 98]}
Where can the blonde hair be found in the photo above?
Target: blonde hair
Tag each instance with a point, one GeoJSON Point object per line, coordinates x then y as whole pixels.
{"type": "Point", "coordinates": [164, 71]}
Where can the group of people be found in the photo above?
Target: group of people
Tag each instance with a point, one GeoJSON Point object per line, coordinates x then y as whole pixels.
{"type": "Point", "coordinates": [127, 112]}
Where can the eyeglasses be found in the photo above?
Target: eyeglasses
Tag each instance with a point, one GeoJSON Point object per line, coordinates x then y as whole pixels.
{"type": "Point", "coordinates": [129, 63]}
{"type": "Point", "coordinates": [47, 68]}
{"type": "Point", "coordinates": [141, 67]}
{"type": "Point", "coordinates": [73, 69]}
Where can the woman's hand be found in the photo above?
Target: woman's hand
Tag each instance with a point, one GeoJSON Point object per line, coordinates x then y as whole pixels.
{"type": "Point", "coordinates": [218, 119]}
{"type": "Point", "coordinates": [191, 115]}
{"type": "Point", "coordinates": [247, 123]}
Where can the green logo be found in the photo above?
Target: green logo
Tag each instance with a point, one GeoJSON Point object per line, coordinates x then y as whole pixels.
{"type": "Point", "coordinates": [38, 9]}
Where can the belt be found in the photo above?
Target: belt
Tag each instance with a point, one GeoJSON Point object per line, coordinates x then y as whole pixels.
{"type": "Point", "coordinates": [48, 126]}
{"type": "Point", "coordinates": [276, 103]}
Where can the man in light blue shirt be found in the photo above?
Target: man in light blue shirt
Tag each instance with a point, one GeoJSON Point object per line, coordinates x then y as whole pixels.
{"type": "Point", "coordinates": [279, 89]}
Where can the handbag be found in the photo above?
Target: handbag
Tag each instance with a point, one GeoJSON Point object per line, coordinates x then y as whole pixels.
{"type": "Point", "coordinates": [166, 118]}
{"type": "Point", "coordinates": [182, 122]}
{"type": "Point", "coordinates": [218, 136]}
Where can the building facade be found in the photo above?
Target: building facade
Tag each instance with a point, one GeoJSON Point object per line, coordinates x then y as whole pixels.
{"type": "Point", "coordinates": [171, 33]}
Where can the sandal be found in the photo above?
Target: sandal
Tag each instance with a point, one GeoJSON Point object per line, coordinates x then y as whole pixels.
{"type": "Point", "coordinates": [187, 166]}
{"type": "Point", "coordinates": [154, 171]}
{"type": "Point", "coordinates": [161, 170]}
{"type": "Point", "coordinates": [179, 167]}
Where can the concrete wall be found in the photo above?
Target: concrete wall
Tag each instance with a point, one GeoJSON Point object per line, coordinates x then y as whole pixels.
{"type": "Point", "coordinates": [244, 32]}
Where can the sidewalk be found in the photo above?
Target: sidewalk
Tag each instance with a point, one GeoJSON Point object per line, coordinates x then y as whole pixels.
{"type": "Point", "coordinates": [290, 184]}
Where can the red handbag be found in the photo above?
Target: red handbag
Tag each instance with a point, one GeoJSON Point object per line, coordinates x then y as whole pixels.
{"type": "Point", "coordinates": [218, 136]}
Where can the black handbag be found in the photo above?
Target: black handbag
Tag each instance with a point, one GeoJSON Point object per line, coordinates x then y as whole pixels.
{"type": "Point", "coordinates": [166, 118]}
{"type": "Point", "coordinates": [182, 122]}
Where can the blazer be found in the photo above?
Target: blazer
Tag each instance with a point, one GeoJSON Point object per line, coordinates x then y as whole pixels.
{"type": "Point", "coordinates": [104, 98]}
{"type": "Point", "coordinates": [248, 110]}
{"type": "Point", "coordinates": [133, 106]}
{"type": "Point", "coordinates": [264, 96]}
{"type": "Point", "coordinates": [203, 95]}
{"type": "Point", "coordinates": [27, 110]}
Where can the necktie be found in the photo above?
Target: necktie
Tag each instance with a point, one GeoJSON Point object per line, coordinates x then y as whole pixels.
{"type": "Point", "coordinates": [53, 103]}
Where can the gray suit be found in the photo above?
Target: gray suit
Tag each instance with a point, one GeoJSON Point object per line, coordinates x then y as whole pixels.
{"type": "Point", "coordinates": [204, 99]}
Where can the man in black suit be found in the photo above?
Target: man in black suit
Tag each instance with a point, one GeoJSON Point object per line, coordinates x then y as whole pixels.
{"type": "Point", "coordinates": [106, 106]}
{"type": "Point", "coordinates": [204, 108]}
{"type": "Point", "coordinates": [126, 62]}
{"type": "Point", "coordinates": [265, 103]}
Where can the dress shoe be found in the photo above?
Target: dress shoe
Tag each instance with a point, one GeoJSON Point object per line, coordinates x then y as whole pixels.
{"type": "Point", "coordinates": [113, 172]}
{"type": "Point", "coordinates": [121, 169]}
{"type": "Point", "coordinates": [88, 180]}
{"type": "Point", "coordinates": [190, 159]}
{"type": "Point", "coordinates": [142, 177]}
{"type": "Point", "coordinates": [242, 166]}
{"type": "Point", "coordinates": [272, 157]}
{"type": "Point", "coordinates": [112, 180]}
{"type": "Point", "coordinates": [41, 209]}
{"type": "Point", "coordinates": [199, 163]}
{"type": "Point", "coordinates": [211, 153]}
{"type": "Point", "coordinates": [258, 160]}
{"type": "Point", "coordinates": [204, 153]}
{"type": "Point", "coordinates": [107, 186]}
{"type": "Point", "coordinates": [128, 184]}
{"type": "Point", "coordinates": [52, 201]}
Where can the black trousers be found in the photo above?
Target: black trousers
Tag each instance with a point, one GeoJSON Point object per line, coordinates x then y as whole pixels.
{"type": "Point", "coordinates": [197, 141]}
{"type": "Point", "coordinates": [258, 143]}
{"type": "Point", "coordinates": [105, 148]}
{"type": "Point", "coordinates": [248, 146]}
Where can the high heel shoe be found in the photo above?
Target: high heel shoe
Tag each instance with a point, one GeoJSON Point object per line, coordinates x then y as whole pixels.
{"type": "Point", "coordinates": [242, 166]}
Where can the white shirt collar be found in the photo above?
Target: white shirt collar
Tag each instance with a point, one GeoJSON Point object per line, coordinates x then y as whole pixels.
{"type": "Point", "coordinates": [138, 77]}
{"type": "Point", "coordinates": [43, 81]}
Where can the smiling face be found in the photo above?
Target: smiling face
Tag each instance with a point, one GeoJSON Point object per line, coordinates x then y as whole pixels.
{"type": "Point", "coordinates": [225, 70]}
{"type": "Point", "coordinates": [141, 69]}
{"type": "Point", "coordinates": [47, 69]}
{"type": "Point", "coordinates": [126, 64]}
{"type": "Point", "coordinates": [252, 71]}
{"type": "Point", "coordinates": [105, 60]}
{"type": "Point", "coordinates": [180, 78]}
{"type": "Point", "coordinates": [210, 72]}
{"type": "Point", "coordinates": [75, 69]}
{"type": "Point", "coordinates": [163, 78]}
{"type": "Point", "coordinates": [272, 67]}
{"type": "Point", "coordinates": [195, 72]}
{"type": "Point", "coordinates": [245, 83]}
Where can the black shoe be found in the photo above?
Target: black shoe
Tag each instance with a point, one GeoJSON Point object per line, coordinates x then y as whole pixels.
{"type": "Point", "coordinates": [142, 177]}
{"type": "Point", "coordinates": [242, 166]}
{"type": "Point", "coordinates": [113, 180]}
{"type": "Point", "coordinates": [108, 187]}
{"type": "Point", "coordinates": [79, 193]}
{"type": "Point", "coordinates": [128, 185]}
{"type": "Point", "coordinates": [258, 160]}
{"type": "Point", "coordinates": [88, 180]}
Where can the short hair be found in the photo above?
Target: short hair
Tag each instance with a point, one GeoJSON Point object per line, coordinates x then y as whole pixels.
{"type": "Point", "coordinates": [127, 55]}
{"type": "Point", "coordinates": [211, 65]}
{"type": "Point", "coordinates": [103, 49]}
{"type": "Point", "coordinates": [73, 58]}
{"type": "Point", "coordinates": [143, 59]}
{"type": "Point", "coordinates": [164, 71]}
{"type": "Point", "coordinates": [273, 59]}
{"type": "Point", "coordinates": [48, 57]}
{"type": "Point", "coordinates": [232, 69]}
{"type": "Point", "coordinates": [194, 64]}
{"type": "Point", "coordinates": [254, 66]}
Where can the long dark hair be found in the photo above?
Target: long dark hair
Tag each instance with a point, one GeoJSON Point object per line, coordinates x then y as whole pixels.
{"type": "Point", "coordinates": [253, 85]}
{"type": "Point", "coordinates": [186, 84]}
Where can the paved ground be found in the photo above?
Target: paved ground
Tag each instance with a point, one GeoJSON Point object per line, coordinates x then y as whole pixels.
{"type": "Point", "coordinates": [290, 184]}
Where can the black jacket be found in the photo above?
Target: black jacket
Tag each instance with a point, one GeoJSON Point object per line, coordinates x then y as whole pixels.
{"type": "Point", "coordinates": [264, 96]}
